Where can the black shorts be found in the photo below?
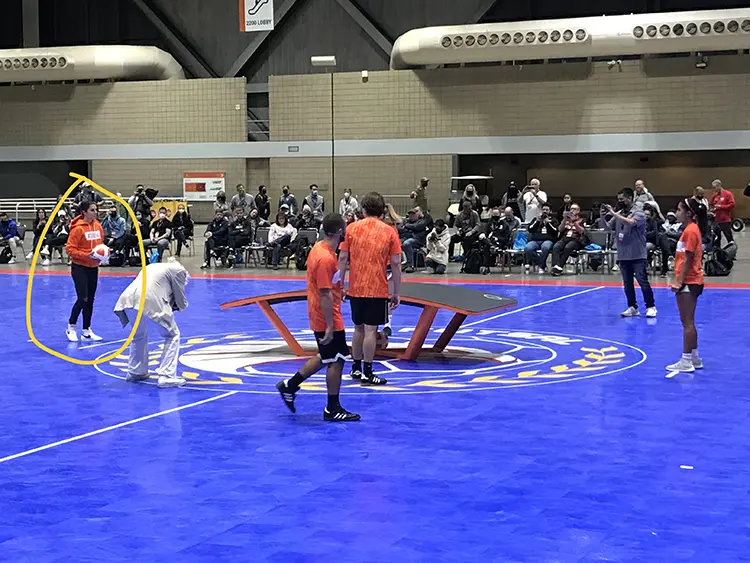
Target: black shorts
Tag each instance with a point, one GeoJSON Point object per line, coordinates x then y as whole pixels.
{"type": "Point", "coordinates": [696, 289]}
{"type": "Point", "coordinates": [335, 350]}
{"type": "Point", "coordinates": [372, 311]}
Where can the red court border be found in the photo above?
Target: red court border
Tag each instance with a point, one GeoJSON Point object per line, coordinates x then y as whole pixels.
{"type": "Point", "coordinates": [481, 280]}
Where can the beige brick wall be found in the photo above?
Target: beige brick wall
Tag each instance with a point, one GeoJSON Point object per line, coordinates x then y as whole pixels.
{"type": "Point", "coordinates": [258, 173]}
{"type": "Point", "coordinates": [175, 111]}
{"type": "Point", "coordinates": [166, 176]}
{"type": "Point", "coordinates": [490, 102]}
{"type": "Point", "coordinates": [391, 175]}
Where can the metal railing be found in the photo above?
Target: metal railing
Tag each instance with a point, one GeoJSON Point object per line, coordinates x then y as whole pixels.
{"type": "Point", "coordinates": [402, 203]}
{"type": "Point", "coordinates": [25, 209]}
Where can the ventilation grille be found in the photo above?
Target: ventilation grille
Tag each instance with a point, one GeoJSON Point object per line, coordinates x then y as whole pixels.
{"type": "Point", "coordinates": [691, 29]}
{"type": "Point", "coordinates": [518, 38]}
{"type": "Point", "coordinates": [32, 63]}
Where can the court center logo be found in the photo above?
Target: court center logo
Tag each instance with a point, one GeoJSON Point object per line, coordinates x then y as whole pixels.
{"type": "Point", "coordinates": [477, 359]}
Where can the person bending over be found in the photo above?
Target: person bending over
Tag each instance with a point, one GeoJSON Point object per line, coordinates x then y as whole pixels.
{"type": "Point", "coordinates": [324, 296]}
{"type": "Point", "coordinates": [369, 247]}
{"type": "Point", "coordinates": [437, 248]}
{"type": "Point", "coordinates": [165, 294]}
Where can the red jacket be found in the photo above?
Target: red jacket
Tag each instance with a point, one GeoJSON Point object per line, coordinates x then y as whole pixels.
{"type": "Point", "coordinates": [723, 204]}
{"type": "Point", "coordinates": [83, 238]}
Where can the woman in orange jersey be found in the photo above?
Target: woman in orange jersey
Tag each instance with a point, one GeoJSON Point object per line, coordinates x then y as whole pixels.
{"type": "Point", "coordinates": [688, 283]}
{"type": "Point", "coordinates": [86, 234]}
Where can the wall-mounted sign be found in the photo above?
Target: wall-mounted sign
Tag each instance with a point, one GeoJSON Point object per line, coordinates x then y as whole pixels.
{"type": "Point", "coordinates": [256, 15]}
{"type": "Point", "coordinates": [203, 186]}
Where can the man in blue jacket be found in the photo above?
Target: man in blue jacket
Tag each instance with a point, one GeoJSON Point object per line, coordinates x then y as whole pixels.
{"type": "Point", "coordinates": [114, 230]}
{"type": "Point", "coordinates": [9, 236]}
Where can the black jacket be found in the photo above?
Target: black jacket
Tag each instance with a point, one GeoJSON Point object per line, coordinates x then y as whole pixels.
{"type": "Point", "coordinates": [219, 229]}
{"type": "Point", "coordinates": [652, 230]}
{"type": "Point", "coordinates": [241, 227]}
{"type": "Point", "coordinates": [541, 230]}
{"type": "Point", "coordinates": [418, 229]}
{"type": "Point", "coordinates": [263, 204]}
{"type": "Point", "coordinates": [145, 226]}
{"type": "Point", "coordinates": [183, 221]}
{"type": "Point", "coordinates": [499, 233]}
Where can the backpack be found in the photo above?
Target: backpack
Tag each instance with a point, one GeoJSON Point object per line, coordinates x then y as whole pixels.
{"type": "Point", "coordinates": [731, 251]}
{"type": "Point", "coordinates": [116, 259]}
{"type": "Point", "coordinates": [300, 257]}
{"type": "Point", "coordinates": [472, 263]}
{"type": "Point", "coordinates": [5, 255]}
{"type": "Point", "coordinates": [714, 268]}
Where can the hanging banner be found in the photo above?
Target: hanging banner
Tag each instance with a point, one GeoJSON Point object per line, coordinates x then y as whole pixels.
{"type": "Point", "coordinates": [203, 186]}
{"type": "Point", "coordinates": [256, 15]}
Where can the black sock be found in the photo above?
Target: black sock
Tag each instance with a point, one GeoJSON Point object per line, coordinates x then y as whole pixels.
{"type": "Point", "coordinates": [294, 382]}
{"type": "Point", "coordinates": [368, 369]}
{"type": "Point", "coordinates": [333, 403]}
{"type": "Point", "coordinates": [356, 365]}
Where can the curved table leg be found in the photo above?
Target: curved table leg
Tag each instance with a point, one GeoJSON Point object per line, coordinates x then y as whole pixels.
{"type": "Point", "coordinates": [420, 333]}
{"type": "Point", "coordinates": [449, 332]}
{"type": "Point", "coordinates": [279, 325]}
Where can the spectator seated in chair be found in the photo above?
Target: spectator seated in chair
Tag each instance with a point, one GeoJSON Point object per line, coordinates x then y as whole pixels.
{"type": "Point", "coordinates": [280, 237]}
{"type": "Point", "coordinates": [10, 237]}
{"type": "Point", "coordinates": [413, 233]}
{"type": "Point", "coordinates": [240, 235]}
{"type": "Point", "coordinates": [307, 220]}
{"type": "Point", "coordinates": [161, 233]}
{"type": "Point", "coordinates": [468, 226]}
{"type": "Point", "coordinates": [498, 235]}
{"type": "Point", "coordinates": [217, 239]}
{"type": "Point", "coordinates": [571, 239]}
{"type": "Point", "coordinates": [657, 240]}
{"type": "Point", "coordinates": [543, 232]}
{"type": "Point", "coordinates": [40, 221]}
{"type": "Point", "coordinates": [437, 248]}
{"type": "Point", "coordinates": [131, 239]}
{"type": "Point", "coordinates": [114, 230]}
{"type": "Point", "coordinates": [57, 237]}
{"type": "Point", "coordinates": [183, 228]}
{"type": "Point", "coordinates": [257, 222]}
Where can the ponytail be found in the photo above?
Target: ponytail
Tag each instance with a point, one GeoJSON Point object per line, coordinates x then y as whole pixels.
{"type": "Point", "coordinates": [699, 212]}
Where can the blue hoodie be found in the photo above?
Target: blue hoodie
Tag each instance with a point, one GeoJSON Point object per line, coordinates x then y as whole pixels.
{"type": "Point", "coordinates": [8, 229]}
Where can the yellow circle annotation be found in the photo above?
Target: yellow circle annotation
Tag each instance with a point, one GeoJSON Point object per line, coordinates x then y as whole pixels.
{"type": "Point", "coordinates": [79, 180]}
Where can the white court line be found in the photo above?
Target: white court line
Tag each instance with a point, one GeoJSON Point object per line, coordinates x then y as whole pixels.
{"type": "Point", "coordinates": [115, 427]}
{"type": "Point", "coordinates": [514, 311]}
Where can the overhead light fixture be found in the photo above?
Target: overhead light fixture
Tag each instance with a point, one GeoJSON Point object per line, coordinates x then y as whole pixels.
{"type": "Point", "coordinates": [326, 61]}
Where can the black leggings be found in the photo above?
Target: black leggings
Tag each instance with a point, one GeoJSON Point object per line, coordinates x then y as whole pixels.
{"type": "Point", "coordinates": [85, 280]}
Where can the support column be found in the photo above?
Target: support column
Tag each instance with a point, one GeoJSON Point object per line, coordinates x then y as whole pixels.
{"type": "Point", "coordinates": [30, 12]}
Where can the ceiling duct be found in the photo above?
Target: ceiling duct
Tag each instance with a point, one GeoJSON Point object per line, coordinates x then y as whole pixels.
{"type": "Point", "coordinates": [638, 34]}
{"type": "Point", "coordinates": [80, 64]}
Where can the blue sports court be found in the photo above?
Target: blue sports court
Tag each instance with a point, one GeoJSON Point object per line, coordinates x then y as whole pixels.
{"type": "Point", "coordinates": [554, 437]}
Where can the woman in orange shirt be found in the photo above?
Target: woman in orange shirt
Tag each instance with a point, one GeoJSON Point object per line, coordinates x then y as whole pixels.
{"type": "Point", "coordinates": [86, 234]}
{"type": "Point", "coordinates": [688, 283]}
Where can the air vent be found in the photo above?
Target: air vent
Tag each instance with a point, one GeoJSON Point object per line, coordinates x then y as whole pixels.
{"type": "Point", "coordinates": [458, 40]}
{"type": "Point", "coordinates": [506, 38]}
{"type": "Point", "coordinates": [568, 35]}
{"type": "Point", "coordinates": [705, 27]}
{"type": "Point", "coordinates": [470, 40]}
{"type": "Point", "coordinates": [638, 32]}
{"type": "Point", "coordinates": [517, 37]}
{"type": "Point", "coordinates": [733, 26]}
{"type": "Point", "coordinates": [482, 40]}
{"type": "Point", "coordinates": [678, 29]}
{"type": "Point", "coordinates": [494, 38]}
{"type": "Point", "coordinates": [651, 31]}
{"type": "Point", "coordinates": [530, 37]}
{"type": "Point", "coordinates": [543, 36]}
{"type": "Point", "coordinates": [664, 30]}
{"type": "Point", "coordinates": [692, 29]}
{"type": "Point", "coordinates": [555, 36]}
{"type": "Point", "coordinates": [580, 34]}
{"type": "Point", "coordinates": [447, 42]}
{"type": "Point", "coordinates": [719, 27]}
{"type": "Point", "coordinates": [62, 62]}
{"type": "Point", "coordinates": [746, 25]}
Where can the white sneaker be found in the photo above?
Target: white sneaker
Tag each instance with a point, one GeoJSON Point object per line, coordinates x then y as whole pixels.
{"type": "Point", "coordinates": [71, 333]}
{"type": "Point", "coordinates": [683, 366]}
{"type": "Point", "coordinates": [12, 261]}
{"type": "Point", "coordinates": [697, 363]}
{"type": "Point", "coordinates": [45, 262]}
{"type": "Point", "coordinates": [630, 312]}
{"type": "Point", "coordinates": [542, 271]}
{"type": "Point", "coordinates": [29, 256]}
{"type": "Point", "coordinates": [615, 268]}
{"type": "Point", "coordinates": [527, 267]}
{"type": "Point", "coordinates": [173, 381]}
{"type": "Point", "coordinates": [651, 312]}
{"type": "Point", "coordinates": [88, 334]}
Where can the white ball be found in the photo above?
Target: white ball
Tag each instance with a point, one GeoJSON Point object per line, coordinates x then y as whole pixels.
{"type": "Point", "coordinates": [101, 253]}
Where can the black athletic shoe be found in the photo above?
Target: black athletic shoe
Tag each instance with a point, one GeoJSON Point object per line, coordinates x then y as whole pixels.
{"type": "Point", "coordinates": [372, 379]}
{"type": "Point", "coordinates": [387, 331]}
{"type": "Point", "coordinates": [356, 374]}
{"type": "Point", "coordinates": [340, 415]}
{"type": "Point", "coordinates": [286, 395]}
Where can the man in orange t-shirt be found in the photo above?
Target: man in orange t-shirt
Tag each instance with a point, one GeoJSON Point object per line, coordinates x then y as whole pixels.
{"type": "Point", "coordinates": [324, 293]}
{"type": "Point", "coordinates": [369, 247]}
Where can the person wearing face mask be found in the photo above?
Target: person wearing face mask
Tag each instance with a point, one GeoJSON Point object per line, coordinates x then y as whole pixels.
{"type": "Point", "coordinates": [419, 195]}
{"type": "Point", "coordinates": [571, 239]}
{"type": "Point", "coordinates": [217, 238]}
{"type": "Point", "coordinates": [262, 203]}
{"type": "Point", "coordinates": [348, 203]}
{"type": "Point", "coordinates": [316, 203]}
{"type": "Point", "coordinates": [288, 199]}
{"type": "Point", "coordinates": [184, 228]}
{"type": "Point", "coordinates": [292, 219]}
{"type": "Point", "coordinates": [114, 230]}
{"type": "Point", "coordinates": [165, 294]}
{"type": "Point", "coordinates": [629, 225]}
{"type": "Point", "coordinates": [306, 220]}
{"type": "Point", "coordinates": [240, 199]}
{"type": "Point", "coordinates": [470, 195]}
{"type": "Point", "coordinates": [221, 202]}
{"type": "Point", "coordinates": [9, 236]}
{"type": "Point", "coordinates": [543, 231]}
{"type": "Point", "coordinates": [437, 248]}
{"type": "Point", "coordinates": [161, 232]}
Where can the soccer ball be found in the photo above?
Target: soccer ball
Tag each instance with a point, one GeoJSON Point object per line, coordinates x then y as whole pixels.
{"type": "Point", "coordinates": [101, 253]}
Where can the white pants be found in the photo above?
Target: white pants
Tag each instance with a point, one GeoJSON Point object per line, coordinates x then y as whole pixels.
{"type": "Point", "coordinates": [138, 361]}
{"type": "Point", "coordinates": [14, 243]}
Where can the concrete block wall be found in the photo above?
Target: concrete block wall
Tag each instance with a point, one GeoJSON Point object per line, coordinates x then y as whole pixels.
{"type": "Point", "coordinates": [174, 111]}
